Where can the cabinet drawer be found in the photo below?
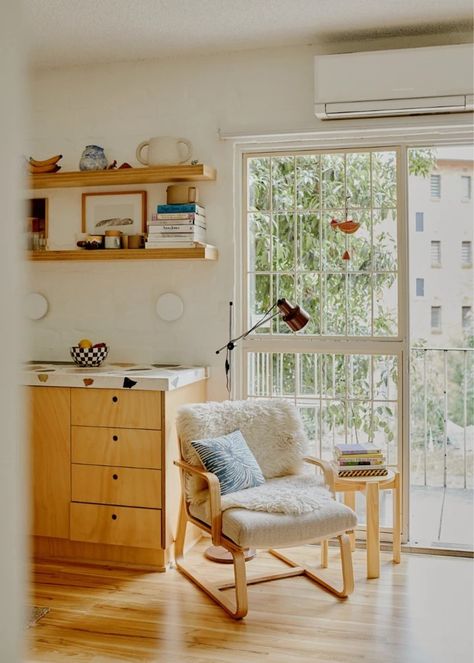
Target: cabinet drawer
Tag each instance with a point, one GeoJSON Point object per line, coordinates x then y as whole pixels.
{"type": "Point", "coordinates": [116, 446]}
{"type": "Point", "coordinates": [124, 486]}
{"type": "Point", "coordinates": [120, 526]}
{"type": "Point", "coordinates": [116, 407]}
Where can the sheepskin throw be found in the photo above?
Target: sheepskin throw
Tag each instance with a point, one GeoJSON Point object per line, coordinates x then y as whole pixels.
{"type": "Point", "coordinates": [292, 495]}
{"type": "Point", "coordinates": [272, 429]}
{"type": "Point", "coordinates": [230, 459]}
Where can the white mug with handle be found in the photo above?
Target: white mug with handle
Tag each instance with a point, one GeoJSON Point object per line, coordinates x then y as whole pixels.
{"type": "Point", "coordinates": [164, 151]}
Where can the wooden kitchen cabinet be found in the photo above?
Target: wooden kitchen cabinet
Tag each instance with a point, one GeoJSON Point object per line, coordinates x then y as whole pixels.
{"type": "Point", "coordinates": [50, 454]}
{"type": "Point", "coordinates": [105, 489]}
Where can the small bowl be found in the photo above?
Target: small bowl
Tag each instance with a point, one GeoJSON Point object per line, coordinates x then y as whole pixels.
{"type": "Point", "coordinates": [89, 357]}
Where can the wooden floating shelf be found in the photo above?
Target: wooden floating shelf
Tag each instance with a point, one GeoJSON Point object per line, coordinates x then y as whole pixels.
{"type": "Point", "coordinates": [204, 252]}
{"type": "Point", "coordinates": [184, 173]}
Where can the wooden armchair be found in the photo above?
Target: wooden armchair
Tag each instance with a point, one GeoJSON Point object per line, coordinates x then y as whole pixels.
{"type": "Point", "coordinates": [237, 529]}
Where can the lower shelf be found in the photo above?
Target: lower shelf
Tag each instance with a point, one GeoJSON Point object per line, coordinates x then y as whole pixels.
{"type": "Point", "coordinates": [202, 252]}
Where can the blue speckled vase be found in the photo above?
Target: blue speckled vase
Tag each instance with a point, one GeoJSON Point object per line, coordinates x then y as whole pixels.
{"type": "Point", "coordinates": [93, 158]}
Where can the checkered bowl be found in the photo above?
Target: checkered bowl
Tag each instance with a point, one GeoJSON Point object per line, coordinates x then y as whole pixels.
{"type": "Point", "coordinates": [89, 356]}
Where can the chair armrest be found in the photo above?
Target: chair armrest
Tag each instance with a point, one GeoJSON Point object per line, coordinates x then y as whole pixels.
{"type": "Point", "coordinates": [327, 468]}
{"type": "Point", "coordinates": [214, 497]}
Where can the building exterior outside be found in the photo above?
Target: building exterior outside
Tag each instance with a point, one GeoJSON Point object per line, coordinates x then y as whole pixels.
{"type": "Point", "coordinates": [441, 251]}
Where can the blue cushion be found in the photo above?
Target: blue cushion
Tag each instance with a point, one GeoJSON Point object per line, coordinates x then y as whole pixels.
{"type": "Point", "coordinates": [230, 459]}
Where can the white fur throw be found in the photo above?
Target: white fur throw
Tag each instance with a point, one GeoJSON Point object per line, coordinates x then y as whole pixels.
{"type": "Point", "coordinates": [272, 429]}
{"type": "Point", "coordinates": [293, 495]}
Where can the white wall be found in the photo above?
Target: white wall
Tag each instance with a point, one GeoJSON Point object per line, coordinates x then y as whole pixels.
{"type": "Point", "coordinates": [117, 106]}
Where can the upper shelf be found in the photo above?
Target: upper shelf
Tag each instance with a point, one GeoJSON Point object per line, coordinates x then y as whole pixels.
{"type": "Point", "coordinates": [183, 173]}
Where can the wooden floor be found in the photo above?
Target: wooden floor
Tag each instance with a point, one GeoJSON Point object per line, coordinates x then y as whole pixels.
{"type": "Point", "coordinates": [420, 611]}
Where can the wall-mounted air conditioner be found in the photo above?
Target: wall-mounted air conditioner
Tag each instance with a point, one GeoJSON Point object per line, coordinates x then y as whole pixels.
{"type": "Point", "coordinates": [435, 79]}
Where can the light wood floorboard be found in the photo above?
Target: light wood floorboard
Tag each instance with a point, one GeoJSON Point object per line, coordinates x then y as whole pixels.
{"type": "Point", "coordinates": [420, 611]}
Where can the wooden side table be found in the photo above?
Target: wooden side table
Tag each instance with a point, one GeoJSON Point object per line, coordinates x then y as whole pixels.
{"type": "Point", "coordinates": [372, 486]}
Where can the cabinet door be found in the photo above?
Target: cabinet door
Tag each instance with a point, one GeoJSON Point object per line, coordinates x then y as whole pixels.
{"type": "Point", "coordinates": [50, 460]}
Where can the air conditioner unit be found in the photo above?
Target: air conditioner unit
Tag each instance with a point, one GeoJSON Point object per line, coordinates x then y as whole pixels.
{"type": "Point", "coordinates": [435, 79]}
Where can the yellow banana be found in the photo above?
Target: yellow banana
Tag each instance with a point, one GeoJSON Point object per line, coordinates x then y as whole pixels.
{"type": "Point", "coordinates": [47, 162]}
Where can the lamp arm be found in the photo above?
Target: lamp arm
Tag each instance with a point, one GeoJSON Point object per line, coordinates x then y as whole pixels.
{"type": "Point", "coordinates": [230, 344]}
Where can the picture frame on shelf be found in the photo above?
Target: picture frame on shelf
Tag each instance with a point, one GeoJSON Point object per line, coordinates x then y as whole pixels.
{"type": "Point", "coordinates": [118, 210]}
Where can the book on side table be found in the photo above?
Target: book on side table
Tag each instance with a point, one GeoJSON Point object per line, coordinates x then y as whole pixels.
{"type": "Point", "coordinates": [359, 460]}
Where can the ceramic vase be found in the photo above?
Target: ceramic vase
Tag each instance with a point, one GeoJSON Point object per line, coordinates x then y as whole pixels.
{"type": "Point", "coordinates": [93, 158]}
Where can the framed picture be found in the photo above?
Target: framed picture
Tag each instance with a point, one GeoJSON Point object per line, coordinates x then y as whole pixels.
{"type": "Point", "coordinates": [124, 211]}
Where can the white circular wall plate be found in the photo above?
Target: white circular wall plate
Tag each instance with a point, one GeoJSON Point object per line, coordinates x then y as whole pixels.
{"type": "Point", "coordinates": [36, 306]}
{"type": "Point", "coordinates": [169, 307]}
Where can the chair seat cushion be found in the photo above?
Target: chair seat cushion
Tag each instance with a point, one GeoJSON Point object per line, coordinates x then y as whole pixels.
{"type": "Point", "coordinates": [257, 529]}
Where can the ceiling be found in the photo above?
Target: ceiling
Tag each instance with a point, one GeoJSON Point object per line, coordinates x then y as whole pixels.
{"type": "Point", "coordinates": [74, 32]}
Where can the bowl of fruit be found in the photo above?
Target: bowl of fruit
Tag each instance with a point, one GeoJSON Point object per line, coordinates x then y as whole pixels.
{"type": "Point", "coordinates": [87, 354]}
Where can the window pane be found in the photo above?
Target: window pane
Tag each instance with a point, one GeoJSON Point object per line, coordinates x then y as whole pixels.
{"type": "Point", "coordinates": [333, 180]}
{"type": "Point", "coordinates": [384, 179]}
{"type": "Point", "coordinates": [309, 242]}
{"type": "Point", "coordinates": [419, 222]}
{"type": "Point", "coordinates": [259, 299]}
{"type": "Point", "coordinates": [259, 183]}
{"type": "Point", "coordinates": [466, 318]}
{"type": "Point", "coordinates": [436, 317]}
{"type": "Point", "coordinates": [359, 304]}
{"type": "Point", "coordinates": [334, 243]}
{"type": "Point", "coordinates": [259, 242]}
{"type": "Point", "coordinates": [283, 234]}
{"type": "Point", "coordinates": [283, 183]}
{"type": "Point", "coordinates": [420, 287]}
{"type": "Point", "coordinates": [385, 304]}
{"type": "Point", "coordinates": [308, 184]}
{"type": "Point", "coordinates": [309, 297]}
{"type": "Point", "coordinates": [359, 244]}
{"type": "Point", "coordinates": [385, 240]}
{"type": "Point", "coordinates": [283, 287]}
{"type": "Point", "coordinates": [334, 304]}
{"type": "Point", "coordinates": [358, 179]}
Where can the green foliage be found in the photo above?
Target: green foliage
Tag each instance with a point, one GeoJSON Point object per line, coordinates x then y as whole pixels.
{"type": "Point", "coordinates": [421, 161]}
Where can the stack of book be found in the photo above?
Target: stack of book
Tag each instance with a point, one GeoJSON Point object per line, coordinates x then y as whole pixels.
{"type": "Point", "coordinates": [359, 460]}
{"type": "Point", "coordinates": [177, 226]}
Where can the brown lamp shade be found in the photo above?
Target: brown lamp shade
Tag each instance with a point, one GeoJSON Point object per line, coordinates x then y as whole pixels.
{"type": "Point", "coordinates": [295, 316]}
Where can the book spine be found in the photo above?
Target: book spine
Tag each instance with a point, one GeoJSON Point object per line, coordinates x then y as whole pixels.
{"type": "Point", "coordinates": [188, 228]}
{"type": "Point", "coordinates": [177, 216]}
{"type": "Point", "coordinates": [187, 207]}
{"type": "Point", "coordinates": [357, 463]}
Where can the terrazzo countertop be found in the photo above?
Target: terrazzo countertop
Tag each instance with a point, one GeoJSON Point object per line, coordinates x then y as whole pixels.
{"type": "Point", "coordinates": [154, 377]}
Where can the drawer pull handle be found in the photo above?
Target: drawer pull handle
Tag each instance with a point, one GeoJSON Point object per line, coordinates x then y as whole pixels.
{"type": "Point", "coordinates": [115, 438]}
{"type": "Point", "coordinates": [115, 476]}
{"type": "Point", "coordinates": [114, 399]}
{"type": "Point", "coordinates": [114, 516]}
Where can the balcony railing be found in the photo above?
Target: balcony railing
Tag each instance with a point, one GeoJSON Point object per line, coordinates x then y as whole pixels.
{"type": "Point", "coordinates": [442, 417]}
